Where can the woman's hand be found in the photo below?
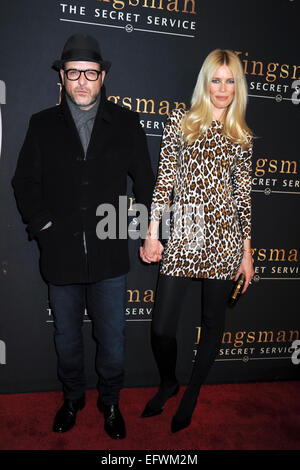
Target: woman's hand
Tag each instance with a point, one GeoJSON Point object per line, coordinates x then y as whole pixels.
{"type": "Point", "coordinates": [152, 250]}
{"type": "Point", "coordinates": [246, 267]}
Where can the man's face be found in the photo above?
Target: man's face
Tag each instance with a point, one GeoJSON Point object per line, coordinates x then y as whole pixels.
{"type": "Point", "coordinates": [82, 92]}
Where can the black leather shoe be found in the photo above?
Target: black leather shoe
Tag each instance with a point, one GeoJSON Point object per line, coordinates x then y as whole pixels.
{"type": "Point", "coordinates": [150, 410]}
{"type": "Point", "coordinates": [114, 423]}
{"type": "Point", "coordinates": [177, 425]}
{"type": "Point", "coordinates": [65, 418]}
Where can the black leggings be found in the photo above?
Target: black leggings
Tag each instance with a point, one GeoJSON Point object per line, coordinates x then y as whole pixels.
{"type": "Point", "coordinates": [170, 295]}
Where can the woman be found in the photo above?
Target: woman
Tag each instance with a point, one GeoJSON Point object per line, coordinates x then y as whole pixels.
{"type": "Point", "coordinates": [206, 162]}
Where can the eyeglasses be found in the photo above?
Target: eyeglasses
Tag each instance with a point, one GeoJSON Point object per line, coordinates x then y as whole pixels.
{"type": "Point", "coordinates": [74, 74]}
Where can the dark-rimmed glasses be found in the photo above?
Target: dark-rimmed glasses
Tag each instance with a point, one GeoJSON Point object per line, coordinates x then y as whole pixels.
{"type": "Point", "coordinates": [75, 74]}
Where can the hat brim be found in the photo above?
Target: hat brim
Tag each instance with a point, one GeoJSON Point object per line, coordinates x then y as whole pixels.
{"type": "Point", "coordinates": [59, 64]}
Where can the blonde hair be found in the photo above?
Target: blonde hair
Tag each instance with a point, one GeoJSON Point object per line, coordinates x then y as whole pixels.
{"type": "Point", "coordinates": [199, 117]}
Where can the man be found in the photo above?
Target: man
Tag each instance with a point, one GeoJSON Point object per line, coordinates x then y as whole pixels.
{"type": "Point", "coordinates": [75, 157]}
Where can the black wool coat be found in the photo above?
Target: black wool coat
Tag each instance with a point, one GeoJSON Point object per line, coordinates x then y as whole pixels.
{"type": "Point", "coordinates": [54, 181]}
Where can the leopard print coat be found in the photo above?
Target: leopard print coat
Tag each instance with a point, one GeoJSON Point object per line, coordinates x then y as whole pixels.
{"type": "Point", "coordinates": [210, 181]}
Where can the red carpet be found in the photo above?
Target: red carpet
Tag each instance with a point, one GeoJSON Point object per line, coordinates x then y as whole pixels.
{"type": "Point", "coordinates": [256, 416]}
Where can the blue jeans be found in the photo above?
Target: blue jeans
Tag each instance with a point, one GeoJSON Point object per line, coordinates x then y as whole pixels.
{"type": "Point", "coordinates": [105, 303]}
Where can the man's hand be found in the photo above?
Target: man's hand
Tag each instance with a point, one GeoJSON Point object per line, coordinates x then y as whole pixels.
{"type": "Point", "coordinates": [152, 250]}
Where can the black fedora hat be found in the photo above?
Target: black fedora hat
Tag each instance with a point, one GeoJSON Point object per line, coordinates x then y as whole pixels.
{"type": "Point", "coordinates": [81, 47]}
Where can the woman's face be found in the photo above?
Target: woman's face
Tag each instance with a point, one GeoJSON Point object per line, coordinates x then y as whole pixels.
{"type": "Point", "coordinates": [222, 89]}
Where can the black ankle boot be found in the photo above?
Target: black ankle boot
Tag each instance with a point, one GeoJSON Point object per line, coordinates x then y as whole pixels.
{"type": "Point", "coordinates": [156, 405]}
{"type": "Point", "coordinates": [65, 418]}
{"type": "Point", "coordinates": [114, 423]}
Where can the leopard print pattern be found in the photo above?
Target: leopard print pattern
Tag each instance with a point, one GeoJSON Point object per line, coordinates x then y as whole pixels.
{"type": "Point", "coordinates": [210, 181]}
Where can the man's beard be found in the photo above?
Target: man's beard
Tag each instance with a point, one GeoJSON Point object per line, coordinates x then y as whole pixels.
{"type": "Point", "coordinates": [83, 105]}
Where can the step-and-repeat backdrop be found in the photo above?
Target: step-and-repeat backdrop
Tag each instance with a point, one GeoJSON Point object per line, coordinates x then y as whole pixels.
{"type": "Point", "coordinates": [157, 48]}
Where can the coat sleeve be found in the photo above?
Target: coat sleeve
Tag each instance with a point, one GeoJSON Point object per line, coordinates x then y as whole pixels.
{"type": "Point", "coordinates": [140, 169]}
{"type": "Point", "coordinates": [28, 185]}
{"type": "Point", "coordinates": [166, 168]}
{"type": "Point", "coordinates": [242, 182]}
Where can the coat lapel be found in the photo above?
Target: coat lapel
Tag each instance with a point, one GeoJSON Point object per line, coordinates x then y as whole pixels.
{"type": "Point", "coordinates": [71, 136]}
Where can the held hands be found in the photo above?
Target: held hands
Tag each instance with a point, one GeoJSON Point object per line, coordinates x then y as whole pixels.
{"type": "Point", "coordinates": [246, 268]}
{"type": "Point", "coordinates": [152, 250]}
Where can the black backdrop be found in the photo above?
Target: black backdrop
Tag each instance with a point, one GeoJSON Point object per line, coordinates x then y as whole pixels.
{"type": "Point", "coordinates": [157, 48]}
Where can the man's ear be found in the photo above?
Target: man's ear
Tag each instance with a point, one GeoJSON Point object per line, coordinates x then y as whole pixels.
{"type": "Point", "coordinates": [62, 76]}
{"type": "Point", "coordinates": [103, 73]}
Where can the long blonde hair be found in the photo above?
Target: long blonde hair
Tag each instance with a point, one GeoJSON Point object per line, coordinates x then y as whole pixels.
{"type": "Point", "coordinates": [199, 117]}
